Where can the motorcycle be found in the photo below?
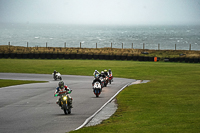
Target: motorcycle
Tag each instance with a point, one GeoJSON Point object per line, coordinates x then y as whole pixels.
{"type": "Point", "coordinates": [64, 102]}
{"type": "Point", "coordinates": [57, 76]}
{"type": "Point", "coordinates": [110, 79]}
{"type": "Point", "coordinates": [102, 81]}
{"type": "Point", "coordinates": [97, 89]}
{"type": "Point", "coordinates": [106, 81]}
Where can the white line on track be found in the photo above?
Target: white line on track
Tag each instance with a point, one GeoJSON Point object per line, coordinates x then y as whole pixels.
{"type": "Point", "coordinates": [91, 117]}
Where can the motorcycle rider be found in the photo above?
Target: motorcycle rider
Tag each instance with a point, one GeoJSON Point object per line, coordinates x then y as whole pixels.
{"type": "Point", "coordinates": [109, 71]}
{"type": "Point", "coordinates": [95, 73]}
{"type": "Point", "coordinates": [110, 74]}
{"type": "Point", "coordinates": [106, 72]}
{"type": "Point", "coordinates": [96, 80]}
{"type": "Point", "coordinates": [104, 77]}
{"type": "Point", "coordinates": [102, 74]}
{"type": "Point", "coordinates": [62, 87]}
{"type": "Point", "coordinates": [54, 73]}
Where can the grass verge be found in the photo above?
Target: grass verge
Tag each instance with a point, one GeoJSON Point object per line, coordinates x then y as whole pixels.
{"type": "Point", "coordinates": [168, 103]}
{"type": "Point", "coordinates": [5, 82]}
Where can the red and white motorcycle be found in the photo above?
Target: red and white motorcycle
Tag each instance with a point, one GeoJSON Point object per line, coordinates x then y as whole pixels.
{"type": "Point", "coordinates": [110, 79]}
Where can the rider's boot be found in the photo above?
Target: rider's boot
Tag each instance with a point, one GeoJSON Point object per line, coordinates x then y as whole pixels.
{"type": "Point", "coordinates": [58, 102]}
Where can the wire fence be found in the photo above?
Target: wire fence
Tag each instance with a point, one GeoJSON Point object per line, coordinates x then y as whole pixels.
{"type": "Point", "coordinates": [120, 45]}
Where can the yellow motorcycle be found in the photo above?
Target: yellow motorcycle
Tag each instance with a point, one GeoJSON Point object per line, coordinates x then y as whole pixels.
{"type": "Point", "coordinates": [64, 102]}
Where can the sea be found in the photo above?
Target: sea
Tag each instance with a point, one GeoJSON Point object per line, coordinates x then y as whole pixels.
{"type": "Point", "coordinates": [164, 37]}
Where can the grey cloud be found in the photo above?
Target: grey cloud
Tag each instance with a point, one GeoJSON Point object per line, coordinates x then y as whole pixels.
{"type": "Point", "coordinates": [101, 11]}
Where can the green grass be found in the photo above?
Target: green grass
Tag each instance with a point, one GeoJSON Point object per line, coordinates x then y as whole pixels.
{"type": "Point", "coordinates": [5, 82]}
{"type": "Point", "coordinates": [168, 103]}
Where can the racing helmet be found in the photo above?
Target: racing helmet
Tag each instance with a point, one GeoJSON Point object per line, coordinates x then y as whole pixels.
{"type": "Point", "coordinates": [105, 70]}
{"type": "Point", "coordinates": [61, 84]}
{"type": "Point", "coordinates": [109, 70]}
{"type": "Point", "coordinates": [102, 72]}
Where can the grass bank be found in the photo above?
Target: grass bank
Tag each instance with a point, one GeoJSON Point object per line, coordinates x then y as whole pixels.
{"type": "Point", "coordinates": [5, 82]}
{"type": "Point", "coordinates": [168, 103]}
{"type": "Point", "coordinates": [104, 51]}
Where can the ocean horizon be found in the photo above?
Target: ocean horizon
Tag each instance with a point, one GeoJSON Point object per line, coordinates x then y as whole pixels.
{"type": "Point", "coordinates": [164, 37]}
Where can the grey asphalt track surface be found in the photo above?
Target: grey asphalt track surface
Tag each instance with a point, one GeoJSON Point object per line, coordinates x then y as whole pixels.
{"type": "Point", "coordinates": [32, 108]}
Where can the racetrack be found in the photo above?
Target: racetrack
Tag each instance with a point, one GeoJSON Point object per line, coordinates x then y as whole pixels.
{"type": "Point", "coordinates": [31, 108]}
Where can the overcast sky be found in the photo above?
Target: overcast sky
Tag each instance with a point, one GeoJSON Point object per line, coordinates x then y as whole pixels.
{"type": "Point", "coordinates": [101, 11]}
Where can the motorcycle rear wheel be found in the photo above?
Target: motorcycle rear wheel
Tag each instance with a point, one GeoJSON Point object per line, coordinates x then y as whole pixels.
{"type": "Point", "coordinates": [106, 84]}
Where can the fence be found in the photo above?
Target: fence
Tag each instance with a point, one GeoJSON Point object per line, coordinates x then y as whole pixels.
{"type": "Point", "coordinates": [144, 46]}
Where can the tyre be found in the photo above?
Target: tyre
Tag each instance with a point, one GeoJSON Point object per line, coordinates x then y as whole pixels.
{"type": "Point", "coordinates": [69, 111]}
{"type": "Point", "coordinates": [65, 111]}
{"type": "Point", "coordinates": [105, 84]}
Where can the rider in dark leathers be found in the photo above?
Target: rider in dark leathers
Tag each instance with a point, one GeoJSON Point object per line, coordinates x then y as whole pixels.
{"type": "Point", "coordinates": [102, 74]}
{"type": "Point", "coordinates": [110, 74]}
{"type": "Point", "coordinates": [54, 73]}
{"type": "Point", "coordinates": [106, 73]}
{"type": "Point", "coordinates": [96, 80]}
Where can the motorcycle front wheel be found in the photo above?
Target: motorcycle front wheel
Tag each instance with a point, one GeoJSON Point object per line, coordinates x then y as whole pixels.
{"type": "Point", "coordinates": [67, 111]}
